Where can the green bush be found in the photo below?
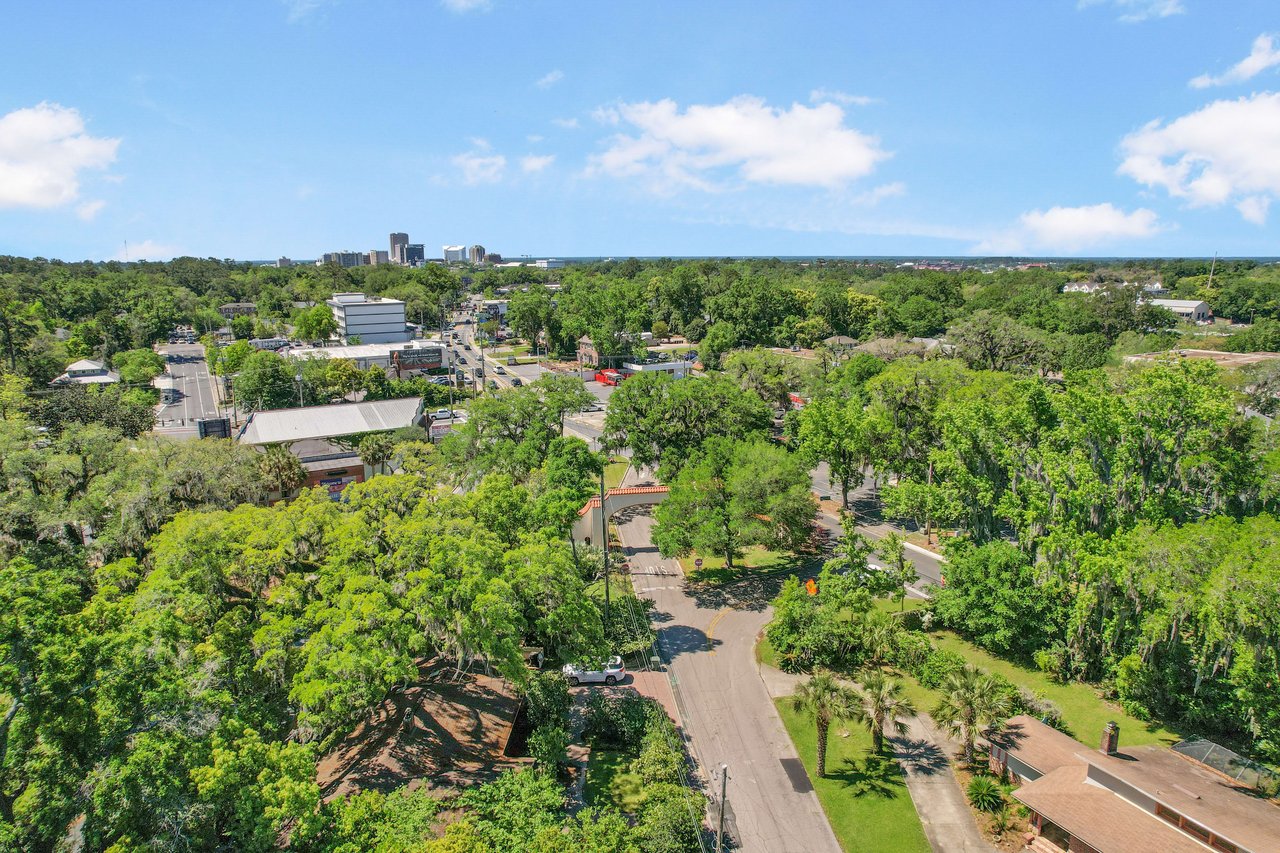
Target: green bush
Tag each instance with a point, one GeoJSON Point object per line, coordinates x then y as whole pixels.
{"type": "Point", "coordinates": [937, 666]}
{"type": "Point", "coordinates": [985, 794]}
{"type": "Point", "coordinates": [661, 759]}
{"type": "Point", "coordinates": [671, 820]}
{"type": "Point", "coordinates": [616, 722]}
{"type": "Point", "coordinates": [910, 650]}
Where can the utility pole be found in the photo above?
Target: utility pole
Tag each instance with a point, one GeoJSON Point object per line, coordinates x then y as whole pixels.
{"type": "Point", "coordinates": [604, 541]}
{"type": "Point", "coordinates": [724, 780]}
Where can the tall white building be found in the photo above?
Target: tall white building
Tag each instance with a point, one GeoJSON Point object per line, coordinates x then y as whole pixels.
{"type": "Point", "coordinates": [454, 254]}
{"type": "Point", "coordinates": [371, 318]}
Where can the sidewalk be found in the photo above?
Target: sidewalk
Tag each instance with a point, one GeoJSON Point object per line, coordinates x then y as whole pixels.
{"type": "Point", "coordinates": [923, 754]}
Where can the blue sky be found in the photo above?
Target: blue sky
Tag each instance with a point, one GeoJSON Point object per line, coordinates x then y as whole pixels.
{"type": "Point", "coordinates": [256, 129]}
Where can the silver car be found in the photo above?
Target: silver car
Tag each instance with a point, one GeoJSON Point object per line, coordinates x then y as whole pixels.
{"type": "Point", "coordinates": [613, 672]}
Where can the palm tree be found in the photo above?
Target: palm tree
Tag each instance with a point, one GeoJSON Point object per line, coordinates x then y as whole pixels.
{"type": "Point", "coordinates": [828, 702]}
{"type": "Point", "coordinates": [880, 703]}
{"type": "Point", "coordinates": [879, 634]}
{"type": "Point", "coordinates": [281, 469]}
{"type": "Point", "coordinates": [971, 701]}
{"type": "Point", "coordinates": [375, 450]}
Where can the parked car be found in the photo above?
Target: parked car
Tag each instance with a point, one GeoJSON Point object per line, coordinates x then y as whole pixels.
{"type": "Point", "coordinates": [511, 360]}
{"type": "Point", "coordinates": [597, 406]}
{"type": "Point", "coordinates": [611, 673]}
{"type": "Point", "coordinates": [441, 415]}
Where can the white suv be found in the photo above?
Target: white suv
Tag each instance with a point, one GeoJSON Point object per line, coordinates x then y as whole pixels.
{"type": "Point", "coordinates": [611, 673]}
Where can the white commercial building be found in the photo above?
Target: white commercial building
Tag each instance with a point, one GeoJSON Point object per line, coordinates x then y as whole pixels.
{"type": "Point", "coordinates": [423, 355]}
{"type": "Point", "coordinates": [454, 254]}
{"type": "Point", "coordinates": [548, 264]}
{"type": "Point", "coordinates": [371, 318]}
{"type": "Point", "coordinates": [1187, 309]}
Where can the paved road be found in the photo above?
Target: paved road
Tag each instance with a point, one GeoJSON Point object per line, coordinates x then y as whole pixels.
{"type": "Point", "coordinates": [194, 384]}
{"type": "Point", "coordinates": [866, 507]}
{"type": "Point", "coordinates": [708, 641]}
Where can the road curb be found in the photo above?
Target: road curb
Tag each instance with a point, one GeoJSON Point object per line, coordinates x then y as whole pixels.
{"type": "Point", "coordinates": [919, 550]}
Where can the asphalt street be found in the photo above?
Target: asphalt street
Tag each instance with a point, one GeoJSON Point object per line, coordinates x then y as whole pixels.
{"type": "Point", "coordinates": [707, 638]}
{"type": "Point", "coordinates": [865, 505]}
{"type": "Point", "coordinates": [194, 384]}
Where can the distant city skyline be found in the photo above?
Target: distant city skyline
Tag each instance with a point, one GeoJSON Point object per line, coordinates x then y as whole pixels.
{"type": "Point", "coordinates": [1082, 128]}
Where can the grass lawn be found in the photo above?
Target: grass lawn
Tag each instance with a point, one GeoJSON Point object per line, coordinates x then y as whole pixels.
{"type": "Point", "coordinates": [864, 795]}
{"type": "Point", "coordinates": [754, 560]}
{"type": "Point", "coordinates": [1083, 710]}
{"type": "Point", "coordinates": [766, 654]}
{"type": "Point", "coordinates": [614, 472]}
{"type": "Point", "coordinates": [888, 605]}
{"type": "Point", "coordinates": [611, 783]}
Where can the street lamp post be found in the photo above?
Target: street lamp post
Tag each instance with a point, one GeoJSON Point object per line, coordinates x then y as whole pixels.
{"type": "Point", "coordinates": [298, 378]}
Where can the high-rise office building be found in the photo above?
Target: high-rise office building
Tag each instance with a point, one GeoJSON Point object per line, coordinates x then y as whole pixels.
{"type": "Point", "coordinates": [346, 259]}
{"type": "Point", "coordinates": [377, 256]}
{"type": "Point", "coordinates": [477, 254]}
{"type": "Point", "coordinates": [398, 240]}
{"type": "Point", "coordinates": [414, 254]}
{"type": "Point", "coordinates": [454, 254]}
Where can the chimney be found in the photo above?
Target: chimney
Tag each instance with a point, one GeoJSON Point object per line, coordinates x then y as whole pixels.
{"type": "Point", "coordinates": [1111, 738]}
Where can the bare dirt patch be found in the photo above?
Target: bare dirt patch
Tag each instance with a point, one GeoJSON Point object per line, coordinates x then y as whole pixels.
{"type": "Point", "coordinates": [438, 732]}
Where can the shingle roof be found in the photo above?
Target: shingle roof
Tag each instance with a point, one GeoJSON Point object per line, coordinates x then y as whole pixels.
{"type": "Point", "coordinates": [1100, 818]}
{"type": "Point", "coordinates": [1032, 742]}
{"type": "Point", "coordinates": [289, 425]}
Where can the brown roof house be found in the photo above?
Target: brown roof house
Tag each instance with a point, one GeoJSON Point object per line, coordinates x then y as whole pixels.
{"type": "Point", "coordinates": [1145, 799]}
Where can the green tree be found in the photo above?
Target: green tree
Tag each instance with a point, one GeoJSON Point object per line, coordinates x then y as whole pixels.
{"type": "Point", "coordinates": [878, 704]}
{"type": "Point", "coordinates": [314, 324]}
{"type": "Point", "coordinates": [664, 421]}
{"type": "Point", "coordinates": [901, 572]}
{"type": "Point", "coordinates": [971, 701]}
{"type": "Point", "coordinates": [265, 381]}
{"type": "Point", "coordinates": [255, 789]}
{"type": "Point", "coordinates": [996, 597]}
{"type": "Point", "coordinates": [281, 470]}
{"type": "Point", "coordinates": [733, 495]}
{"type": "Point", "coordinates": [827, 701]}
{"type": "Point", "coordinates": [242, 327]}
{"type": "Point", "coordinates": [376, 449]}
{"type": "Point", "coordinates": [833, 430]}
{"type": "Point", "coordinates": [138, 366]}
{"type": "Point", "coordinates": [720, 338]}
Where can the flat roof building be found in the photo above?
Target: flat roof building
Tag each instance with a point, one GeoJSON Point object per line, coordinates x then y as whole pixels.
{"type": "Point", "coordinates": [1193, 310]}
{"type": "Point", "coordinates": [371, 318]}
{"type": "Point", "coordinates": [309, 434]}
{"type": "Point", "coordinates": [454, 254]}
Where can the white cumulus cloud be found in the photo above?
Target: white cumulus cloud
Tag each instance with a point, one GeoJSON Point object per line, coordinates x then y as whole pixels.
{"type": "Point", "coordinates": [480, 167]}
{"type": "Point", "coordinates": [703, 144]}
{"type": "Point", "coordinates": [566, 123]}
{"type": "Point", "coordinates": [835, 95]}
{"type": "Point", "coordinates": [536, 163]}
{"type": "Point", "coordinates": [1072, 229]}
{"type": "Point", "coordinates": [1135, 11]}
{"type": "Point", "coordinates": [43, 150]}
{"type": "Point", "coordinates": [546, 81]}
{"type": "Point", "coordinates": [1265, 54]}
{"type": "Point", "coordinates": [1226, 151]}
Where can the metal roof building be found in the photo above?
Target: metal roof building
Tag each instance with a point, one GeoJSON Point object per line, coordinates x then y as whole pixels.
{"type": "Point", "coordinates": [282, 426]}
